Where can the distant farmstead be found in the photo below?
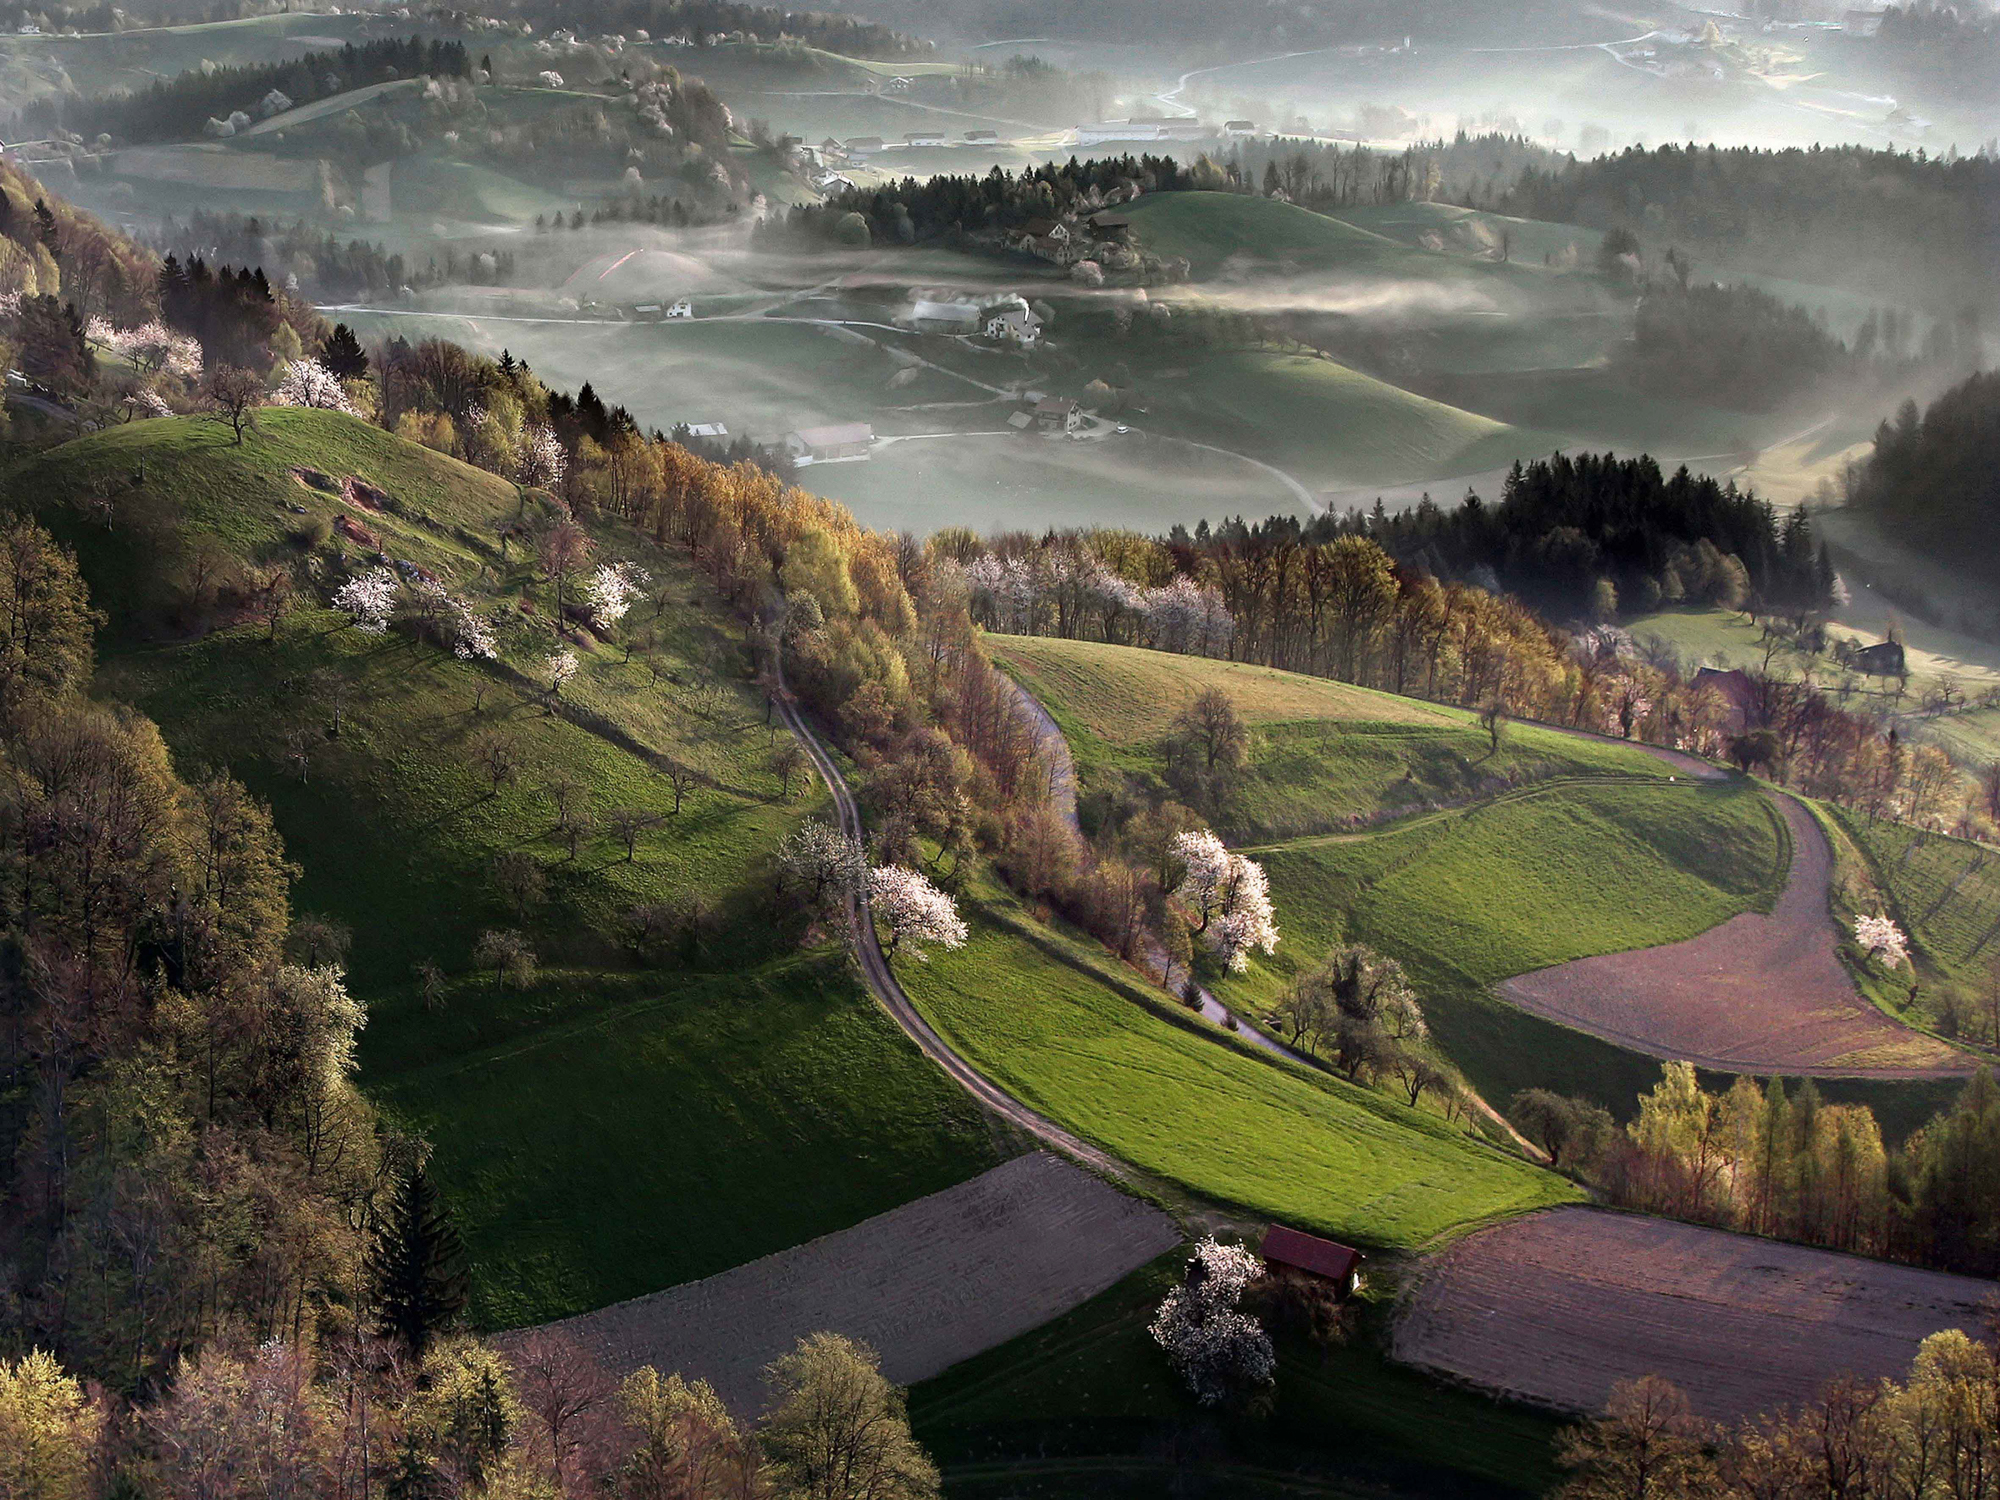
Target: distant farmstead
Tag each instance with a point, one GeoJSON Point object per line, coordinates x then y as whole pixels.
{"type": "Point", "coordinates": [924, 138]}
{"type": "Point", "coordinates": [1287, 1252]}
{"type": "Point", "coordinates": [842, 443]}
{"type": "Point", "coordinates": [1058, 414]}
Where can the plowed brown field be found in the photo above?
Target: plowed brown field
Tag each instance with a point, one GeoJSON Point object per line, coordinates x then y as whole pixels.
{"type": "Point", "coordinates": [1758, 994]}
{"type": "Point", "coordinates": [1557, 1307]}
{"type": "Point", "coordinates": [927, 1285]}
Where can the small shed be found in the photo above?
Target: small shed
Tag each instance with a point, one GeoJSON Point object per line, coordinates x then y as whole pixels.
{"type": "Point", "coordinates": [1883, 659]}
{"type": "Point", "coordinates": [1287, 1252]}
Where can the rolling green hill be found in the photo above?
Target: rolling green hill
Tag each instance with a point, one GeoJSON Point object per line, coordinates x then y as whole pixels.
{"type": "Point", "coordinates": [1243, 234]}
{"type": "Point", "coordinates": [615, 1126]}
{"type": "Point", "coordinates": [1322, 754]}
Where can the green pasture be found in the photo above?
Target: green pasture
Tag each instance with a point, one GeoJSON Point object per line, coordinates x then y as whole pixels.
{"type": "Point", "coordinates": [1064, 1028]}
{"type": "Point", "coordinates": [615, 1126]}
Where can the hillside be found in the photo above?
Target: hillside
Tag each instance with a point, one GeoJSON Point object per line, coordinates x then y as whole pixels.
{"type": "Point", "coordinates": [1237, 234]}
{"type": "Point", "coordinates": [713, 1085]}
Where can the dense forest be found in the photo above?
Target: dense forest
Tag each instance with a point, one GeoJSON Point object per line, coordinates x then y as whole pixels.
{"type": "Point", "coordinates": [1884, 222]}
{"type": "Point", "coordinates": [1566, 526]}
{"type": "Point", "coordinates": [1934, 477]}
{"type": "Point", "coordinates": [1733, 346]}
{"type": "Point", "coordinates": [323, 265]}
{"type": "Point", "coordinates": [179, 108]}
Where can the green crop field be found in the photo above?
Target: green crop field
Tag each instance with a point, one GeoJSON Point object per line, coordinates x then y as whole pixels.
{"type": "Point", "coordinates": [1067, 1031]}
{"type": "Point", "coordinates": [733, 1100]}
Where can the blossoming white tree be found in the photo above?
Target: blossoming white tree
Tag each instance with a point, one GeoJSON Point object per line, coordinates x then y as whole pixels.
{"type": "Point", "coordinates": [368, 600]}
{"type": "Point", "coordinates": [1248, 920]}
{"type": "Point", "coordinates": [542, 459]}
{"type": "Point", "coordinates": [1880, 937]}
{"type": "Point", "coordinates": [1229, 895]}
{"type": "Point", "coordinates": [610, 593]}
{"type": "Point", "coordinates": [822, 859]}
{"type": "Point", "coordinates": [1217, 1350]}
{"type": "Point", "coordinates": [917, 912]}
{"type": "Point", "coordinates": [1206, 862]}
{"type": "Point", "coordinates": [307, 382]}
{"type": "Point", "coordinates": [560, 667]}
{"type": "Point", "coordinates": [153, 347]}
{"type": "Point", "coordinates": [471, 635]}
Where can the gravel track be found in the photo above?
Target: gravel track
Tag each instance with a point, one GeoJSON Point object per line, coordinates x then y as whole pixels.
{"type": "Point", "coordinates": [926, 1285]}
{"type": "Point", "coordinates": [1757, 994]}
{"type": "Point", "coordinates": [1557, 1307]}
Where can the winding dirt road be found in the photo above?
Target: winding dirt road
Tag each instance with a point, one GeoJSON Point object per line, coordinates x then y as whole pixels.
{"type": "Point", "coordinates": [882, 980]}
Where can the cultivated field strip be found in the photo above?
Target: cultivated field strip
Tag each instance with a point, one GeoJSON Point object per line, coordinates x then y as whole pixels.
{"type": "Point", "coordinates": [1557, 1307]}
{"type": "Point", "coordinates": [927, 1285]}
{"type": "Point", "coordinates": [1758, 994]}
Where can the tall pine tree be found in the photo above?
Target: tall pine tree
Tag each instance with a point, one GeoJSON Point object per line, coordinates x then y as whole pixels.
{"type": "Point", "coordinates": [417, 1265]}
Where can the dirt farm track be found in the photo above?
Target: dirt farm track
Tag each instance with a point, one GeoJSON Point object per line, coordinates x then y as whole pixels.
{"type": "Point", "coordinates": [1557, 1307]}
{"type": "Point", "coordinates": [927, 1285]}
{"type": "Point", "coordinates": [1758, 994]}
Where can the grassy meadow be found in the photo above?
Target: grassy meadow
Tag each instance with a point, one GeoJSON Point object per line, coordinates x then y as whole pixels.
{"type": "Point", "coordinates": [1063, 1027]}
{"type": "Point", "coordinates": [1323, 754]}
{"type": "Point", "coordinates": [735, 1095]}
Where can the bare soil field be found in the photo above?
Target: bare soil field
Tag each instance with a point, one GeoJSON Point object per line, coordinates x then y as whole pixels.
{"type": "Point", "coordinates": [1558, 1307]}
{"type": "Point", "coordinates": [1758, 994]}
{"type": "Point", "coordinates": [927, 1285]}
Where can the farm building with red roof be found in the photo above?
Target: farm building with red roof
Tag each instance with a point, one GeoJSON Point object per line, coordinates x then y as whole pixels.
{"type": "Point", "coordinates": [1287, 1250]}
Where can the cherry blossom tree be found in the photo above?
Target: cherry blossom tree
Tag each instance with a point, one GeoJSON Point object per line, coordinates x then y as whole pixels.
{"type": "Point", "coordinates": [309, 383]}
{"type": "Point", "coordinates": [153, 347]}
{"type": "Point", "coordinates": [611, 591]}
{"type": "Point", "coordinates": [368, 600]}
{"type": "Point", "coordinates": [822, 860]}
{"type": "Point", "coordinates": [471, 634]}
{"type": "Point", "coordinates": [1217, 1350]}
{"type": "Point", "coordinates": [916, 911]}
{"type": "Point", "coordinates": [1206, 862]}
{"type": "Point", "coordinates": [1229, 895]}
{"type": "Point", "coordinates": [1879, 937]}
{"type": "Point", "coordinates": [543, 459]}
{"type": "Point", "coordinates": [1248, 920]}
{"type": "Point", "coordinates": [560, 667]}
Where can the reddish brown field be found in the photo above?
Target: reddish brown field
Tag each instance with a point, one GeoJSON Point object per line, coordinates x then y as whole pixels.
{"type": "Point", "coordinates": [1556, 1308]}
{"type": "Point", "coordinates": [1759, 994]}
{"type": "Point", "coordinates": [926, 1285]}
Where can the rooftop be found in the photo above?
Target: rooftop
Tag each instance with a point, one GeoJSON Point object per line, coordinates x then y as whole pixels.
{"type": "Point", "coordinates": [1308, 1252]}
{"type": "Point", "coordinates": [837, 436]}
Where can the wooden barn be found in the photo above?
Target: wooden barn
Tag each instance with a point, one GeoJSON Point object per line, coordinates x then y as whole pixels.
{"type": "Point", "coordinates": [1287, 1252]}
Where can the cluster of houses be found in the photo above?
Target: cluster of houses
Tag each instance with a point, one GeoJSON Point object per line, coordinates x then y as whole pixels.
{"type": "Point", "coordinates": [1103, 235]}
{"type": "Point", "coordinates": [1006, 318]}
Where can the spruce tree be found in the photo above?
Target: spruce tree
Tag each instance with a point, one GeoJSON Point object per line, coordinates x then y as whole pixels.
{"type": "Point", "coordinates": [417, 1266]}
{"type": "Point", "coordinates": [341, 353]}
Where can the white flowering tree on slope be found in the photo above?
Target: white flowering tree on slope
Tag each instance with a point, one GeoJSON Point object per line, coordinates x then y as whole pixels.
{"type": "Point", "coordinates": [1228, 895]}
{"type": "Point", "coordinates": [917, 913]}
{"type": "Point", "coordinates": [309, 383]}
{"type": "Point", "coordinates": [368, 600]}
{"type": "Point", "coordinates": [1880, 937]}
{"type": "Point", "coordinates": [611, 591]}
{"type": "Point", "coordinates": [1217, 1350]}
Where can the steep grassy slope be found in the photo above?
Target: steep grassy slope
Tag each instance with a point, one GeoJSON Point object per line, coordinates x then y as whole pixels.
{"type": "Point", "coordinates": [1070, 1033]}
{"type": "Point", "coordinates": [611, 1128]}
